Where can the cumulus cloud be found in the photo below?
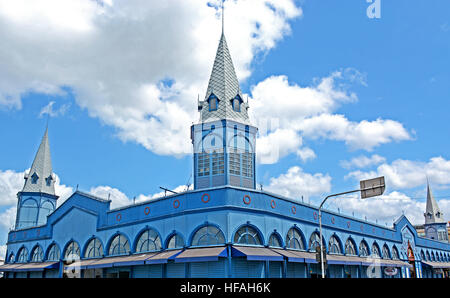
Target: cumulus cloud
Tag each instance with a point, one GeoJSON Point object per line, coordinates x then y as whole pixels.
{"type": "Point", "coordinates": [362, 161]}
{"type": "Point", "coordinates": [403, 174]}
{"type": "Point", "coordinates": [388, 208]}
{"type": "Point", "coordinates": [114, 58]}
{"type": "Point", "coordinates": [296, 183]}
{"type": "Point", "coordinates": [49, 110]}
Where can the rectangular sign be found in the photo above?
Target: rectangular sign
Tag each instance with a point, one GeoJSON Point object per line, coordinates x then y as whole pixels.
{"type": "Point", "coordinates": [372, 187]}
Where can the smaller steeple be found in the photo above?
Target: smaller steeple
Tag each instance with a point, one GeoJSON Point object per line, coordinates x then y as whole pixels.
{"type": "Point", "coordinates": [432, 214]}
{"type": "Point", "coordinates": [40, 178]}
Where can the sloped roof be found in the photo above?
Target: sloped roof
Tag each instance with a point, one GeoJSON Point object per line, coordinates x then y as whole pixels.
{"type": "Point", "coordinates": [433, 209]}
{"type": "Point", "coordinates": [42, 168]}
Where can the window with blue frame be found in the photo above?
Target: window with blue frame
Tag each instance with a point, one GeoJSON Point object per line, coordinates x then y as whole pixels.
{"type": "Point", "coordinates": [386, 254]}
{"type": "Point", "coordinates": [44, 211]}
{"type": "Point", "coordinates": [247, 235]}
{"type": "Point", "coordinates": [94, 249]}
{"type": "Point", "coordinates": [34, 178]}
{"type": "Point", "coordinates": [23, 255]}
{"type": "Point", "coordinates": [37, 254]}
{"type": "Point", "coordinates": [148, 241]}
{"type": "Point", "coordinates": [218, 162]}
{"type": "Point", "coordinates": [234, 161]}
{"type": "Point", "coordinates": [203, 167]}
{"type": "Point", "coordinates": [350, 248]}
{"type": "Point", "coordinates": [363, 249]}
{"type": "Point", "coordinates": [72, 251]}
{"type": "Point", "coordinates": [334, 246]}
{"type": "Point", "coordinates": [11, 259]}
{"type": "Point", "coordinates": [48, 180]}
{"type": "Point", "coordinates": [213, 103]}
{"type": "Point", "coordinates": [236, 105]}
{"type": "Point", "coordinates": [314, 241]}
{"type": "Point", "coordinates": [375, 250]}
{"type": "Point", "coordinates": [119, 246]}
{"type": "Point", "coordinates": [28, 213]}
{"type": "Point", "coordinates": [53, 253]}
{"type": "Point", "coordinates": [208, 235]}
{"type": "Point", "coordinates": [175, 241]}
{"type": "Point", "coordinates": [247, 164]}
{"type": "Point", "coordinates": [274, 240]}
{"type": "Point", "coordinates": [395, 253]}
{"type": "Point", "coordinates": [294, 240]}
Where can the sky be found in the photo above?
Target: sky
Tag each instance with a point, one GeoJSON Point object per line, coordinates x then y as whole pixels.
{"type": "Point", "coordinates": [340, 91]}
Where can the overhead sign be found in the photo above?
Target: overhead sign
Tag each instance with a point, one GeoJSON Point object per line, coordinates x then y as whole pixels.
{"type": "Point", "coordinates": [372, 187]}
{"type": "Point", "coordinates": [390, 271]}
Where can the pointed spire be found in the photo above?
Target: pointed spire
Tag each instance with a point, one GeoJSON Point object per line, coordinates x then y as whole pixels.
{"type": "Point", "coordinates": [40, 178]}
{"type": "Point", "coordinates": [432, 214]}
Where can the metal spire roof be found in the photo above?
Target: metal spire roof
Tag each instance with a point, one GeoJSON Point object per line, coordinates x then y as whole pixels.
{"type": "Point", "coordinates": [40, 178]}
{"type": "Point", "coordinates": [432, 209]}
{"type": "Point", "coordinates": [224, 84]}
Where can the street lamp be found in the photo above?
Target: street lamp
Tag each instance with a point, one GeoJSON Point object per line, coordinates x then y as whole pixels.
{"type": "Point", "coordinates": [368, 188]}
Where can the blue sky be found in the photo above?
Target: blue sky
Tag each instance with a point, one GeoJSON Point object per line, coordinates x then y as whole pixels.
{"type": "Point", "coordinates": [107, 71]}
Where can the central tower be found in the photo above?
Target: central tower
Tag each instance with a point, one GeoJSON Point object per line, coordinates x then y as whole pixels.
{"type": "Point", "coordinates": [223, 140]}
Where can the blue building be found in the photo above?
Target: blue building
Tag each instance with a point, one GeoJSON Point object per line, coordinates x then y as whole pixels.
{"type": "Point", "coordinates": [225, 227]}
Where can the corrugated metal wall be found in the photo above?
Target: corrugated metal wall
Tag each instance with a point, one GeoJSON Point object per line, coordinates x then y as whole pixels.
{"type": "Point", "coordinates": [243, 268]}
{"type": "Point", "coordinates": [208, 269]}
{"type": "Point", "coordinates": [296, 270]}
{"type": "Point", "coordinates": [175, 270]}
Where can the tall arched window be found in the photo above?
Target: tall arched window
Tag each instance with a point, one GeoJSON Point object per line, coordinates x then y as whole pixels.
{"type": "Point", "coordinates": [350, 248]}
{"type": "Point", "coordinates": [53, 253]}
{"type": "Point", "coordinates": [314, 241]}
{"type": "Point", "coordinates": [208, 235]}
{"type": "Point", "coordinates": [428, 256]}
{"type": "Point", "coordinates": [395, 255]}
{"type": "Point", "coordinates": [148, 241]}
{"type": "Point", "coordinates": [334, 245]}
{"type": "Point", "coordinates": [11, 259]}
{"type": "Point", "coordinates": [28, 214]}
{"type": "Point", "coordinates": [386, 254]}
{"type": "Point", "coordinates": [236, 105]}
{"type": "Point", "coordinates": [294, 240]}
{"type": "Point", "coordinates": [46, 209]}
{"type": "Point", "coordinates": [175, 241]}
{"type": "Point", "coordinates": [72, 251]}
{"type": "Point", "coordinates": [363, 249]}
{"type": "Point", "coordinates": [247, 235]}
{"type": "Point", "coordinates": [94, 249]}
{"type": "Point", "coordinates": [37, 255]}
{"type": "Point", "coordinates": [376, 250]}
{"type": "Point", "coordinates": [119, 246]}
{"type": "Point", "coordinates": [274, 240]}
{"type": "Point", "coordinates": [23, 255]}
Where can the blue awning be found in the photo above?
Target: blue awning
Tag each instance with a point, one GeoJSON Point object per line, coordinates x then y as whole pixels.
{"type": "Point", "coordinates": [29, 266]}
{"type": "Point", "coordinates": [119, 261]}
{"type": "Point", "coordinates": [163, 257]}
{"type": "Point", "coordinates": [204, 254]}
{"type": "Point", "coordinates": [255, 253]}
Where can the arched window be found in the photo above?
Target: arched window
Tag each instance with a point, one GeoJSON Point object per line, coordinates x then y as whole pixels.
{"type": "Point", "coordinates": [37, 255]}
{"type": "Point", "coordinates": [175, 241]}
{"type": "Point", "coordinates": [23, 255]}
{"type": "Point", "coordinates": [314, 241]}
{"type": "Point", "coordinates": [294, 240]}
{"type": "Point", "coordinates": [350, 248]}
{"type": "Point", "coordinates": [428, 256]}
{"type": "Point", "coordinates": [213, 103]}
{"type": "Point", "coordinates": [119, 246]}
{"type": "Point", "coordinates": [148, 241]}
{"type": "Point", "coordinates": [363, 249]}
{"type": "Point", "coordinates": [94, 249]}
{"type": "Point", "coordinates": [386, 254]}
{"type": "Point", "coordinates": [46, 209]}
{"type": "Point", "coordinates": [72, 251]}
{"type": "Point", "coordinates": [236, 105]}
{"type": "Point", "coordinates": [376, 250]}
{"type": "Point", "coordinates": [432, 257]}
{"type": "Point", "coordinates": [208, 235]}
{"type": "Point", "coordinates": [247, 235]}
{"type": "Point", "coordinates": [11, 259]}
{"type": "Point", "coordinates": [53, 253]}
{"type": "Point", "coordinates": [395, 255]}
{"type": "Point", "coordinates": [334, 245]}
{"type": "Point", "coordinates": [28, 214]}
{"type": "Point", "coordinates": [274, 240]}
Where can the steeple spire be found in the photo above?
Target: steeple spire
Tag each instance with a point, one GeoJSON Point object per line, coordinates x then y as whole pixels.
{"type": "Point", "coordinates": [40, 178]}
{"type": "Point", "coordinates": [432, 214]}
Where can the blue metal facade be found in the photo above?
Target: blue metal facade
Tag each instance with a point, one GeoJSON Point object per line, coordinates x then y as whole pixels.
{"type": "Point", "coordinates": [83, 217]}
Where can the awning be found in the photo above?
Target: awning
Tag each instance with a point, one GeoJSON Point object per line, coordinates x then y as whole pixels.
{"type": "Point", "coordinates": [384, 262]}
{"type": "Point", "coordinates": [201, 254]}
{"type": "Point", "coordinates": [81, 264]}
{"type": "Point", "coordinates": [29, 266]}
{"type": "Point", "coordinates": [256, 253]}
{"type": "Point", "coordinates": [343, 260]}
{"type": "Point", "coordinates": [437, 265]}
{"type": "Point", "coordinates": [120, 261]}
{"type": "Point", "coordinates": [296, 256]}
{"type": "Point", "coordinates": [163, 257]}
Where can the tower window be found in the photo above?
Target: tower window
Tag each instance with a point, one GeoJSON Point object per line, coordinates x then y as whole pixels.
{"type": "Point", "coordinates": [203, 164]}
{"type": "Point", "coordinates": [34, 178]}
{"type": "Point", "coordinates": [218, 162]}
{"type": "Point", "coordinates": [234, 162]}
{"type": "Point", "coordinates": [212, 104]}
{"type": "Point", "coordinates": [236, 105]}
{"type": "Point", "coordinates": [48, 180]}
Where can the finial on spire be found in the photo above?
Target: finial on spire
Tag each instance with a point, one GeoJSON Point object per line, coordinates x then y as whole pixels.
{"type": "Point", "coordinates": [223, 16]}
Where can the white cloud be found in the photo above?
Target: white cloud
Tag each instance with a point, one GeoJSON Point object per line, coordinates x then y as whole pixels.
{"type": "Point", "coordinates": [363, 161]}
{"type": "Point", "coordinates": [277, 144]}
{"type": "Point", "coordinates": [11, 183]}
{"type": "Point", "coordinates": [404, 174]}
{"type": "Point", "coordinates": [3, 252]}
{"type": "Point", "coordinates": [49, 110]}
{"type": "Point", "coordinates": [306, 154]}
{"type": "Point", "coordinates": [296, 183]}
{"type": "Point", "coordinates": [114, 56]}
{"type": "Point", "coordinates": [8, 218]}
